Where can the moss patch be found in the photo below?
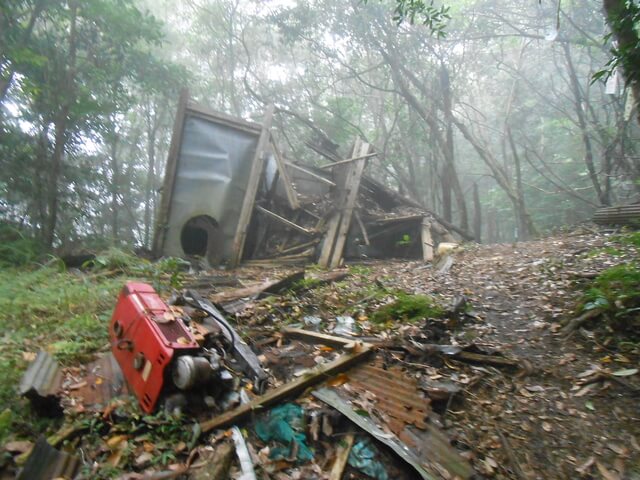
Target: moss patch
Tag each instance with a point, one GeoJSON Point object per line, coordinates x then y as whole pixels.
{"type": "Point", "coordinates": [408, 309]}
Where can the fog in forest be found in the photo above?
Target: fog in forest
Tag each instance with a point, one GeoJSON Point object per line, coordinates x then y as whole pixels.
{"type": "Point", "coordinates": [507, 119]}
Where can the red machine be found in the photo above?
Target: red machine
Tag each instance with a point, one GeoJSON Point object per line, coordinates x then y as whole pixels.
{"type": "Point", "coordinates": [145, 337]}
{"type": "Point", "coordinates": [159, 356]}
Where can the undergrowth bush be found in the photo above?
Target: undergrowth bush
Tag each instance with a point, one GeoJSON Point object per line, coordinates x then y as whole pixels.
{"type": "Point", "coordinates": [615, 293]}
{"type": "Point", "coordinates": [17, 247]}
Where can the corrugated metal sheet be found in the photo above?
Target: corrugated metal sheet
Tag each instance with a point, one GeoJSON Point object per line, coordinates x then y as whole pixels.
{"type": "Point", "coordinates": [42, 378]}
{"type": "Point", "coordinates": [47, 463]}
{"type": "Point", "coordinates": [396, 394]}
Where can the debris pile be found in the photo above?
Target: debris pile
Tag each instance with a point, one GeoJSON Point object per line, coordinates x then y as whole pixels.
{"type": "Point", "coordinates": [230, 196]}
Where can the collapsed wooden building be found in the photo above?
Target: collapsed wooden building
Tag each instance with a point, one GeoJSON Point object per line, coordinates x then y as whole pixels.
{"type": "Point", "coordinates": [232, 197]}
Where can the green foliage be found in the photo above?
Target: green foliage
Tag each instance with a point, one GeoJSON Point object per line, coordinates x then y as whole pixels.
{"type": "Point", "coordinates": [409, 309]}
{"type": "Point", "coordinates": [624, 18]}
{"type": "Point", "coordinates": [404, 241]}
{"type": "Point", "coordinates": [630, 239]}
{"type": "Point", "coordinates": [16, 247]}
{"type": "Point", "coordinates": [616, 294]}
{"type": "Point", "coordinates": [121, 261]}
{"type": "Point", "coordinates": [612, 251]}
{"type": "Point", "coordinates": [425, 13]}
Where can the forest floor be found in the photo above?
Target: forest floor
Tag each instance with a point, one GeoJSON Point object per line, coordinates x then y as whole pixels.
{"type": "Point", "coordinates": [569, 411]}
{"type": "Point", "coordinates": [564, 418]}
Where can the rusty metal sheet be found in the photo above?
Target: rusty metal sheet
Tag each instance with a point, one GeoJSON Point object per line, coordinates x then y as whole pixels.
{"type": "Point", "coordinates": [46, 463]}
{"type": "Point", "coordinates": [397, 395]}
{"type": "Point", "coordinates": [102, 382]}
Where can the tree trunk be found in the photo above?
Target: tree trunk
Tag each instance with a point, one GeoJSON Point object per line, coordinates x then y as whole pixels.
{"type": "Point", "coordinates": [60, 129]}
{"type": "Point", "coordinates": [477, 214]}
{"type": "Point", "coordinates": [621, 23]}
{"type": "Point", "coordinates": [445, 85]}
{"type": "Point", "coordinates": [115, 180]}
{"type": "Point", "coordinates": [152, 128]}
{"type": "Point", "coordinates": [582, 122]}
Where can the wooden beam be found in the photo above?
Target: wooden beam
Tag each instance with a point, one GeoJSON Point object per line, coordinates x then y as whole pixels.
{"type": "Point", "coordinates": [315, 376]}
{"type": "Point", "coordinates": [223, 119]}
{"type": "Point", "coordinates": [316, 337]}
{"type": "Point", "coordinates": [320, 178]}
{"type": "Point", "coordinates": [336, 216]}
{"type": "Point", "coordinates": [342, 455]}
{"type": "Point", "coordinates": [427, 241]}
{"type": "Point", "coordinates": [362, 229]}
{"type": "Point", "coordinates": [348, 160]}
{"type": "Point", "coordinates": [252, 189]}
{"type": "Point", "coordinates": [354, 174]}
{"type": "Point", "coordinates": [170, 174]}
{"type": "Point", "coordinates": [292, 196]}
{"type": "Point", "coordinates": [284, 221]}
{"type": "Point", "coordinates": [295, 248]}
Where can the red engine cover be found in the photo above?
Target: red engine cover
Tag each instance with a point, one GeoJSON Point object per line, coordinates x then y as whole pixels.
{"type": "Point", "coordinates": [144, 337]}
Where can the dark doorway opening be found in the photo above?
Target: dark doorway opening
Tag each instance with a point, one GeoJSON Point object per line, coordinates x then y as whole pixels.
{"type": "Point", "coordinates": [201, 236]}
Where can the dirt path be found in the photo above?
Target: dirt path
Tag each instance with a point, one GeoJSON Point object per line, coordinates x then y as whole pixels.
{"type": "Point", "coordinates": [551, 423]}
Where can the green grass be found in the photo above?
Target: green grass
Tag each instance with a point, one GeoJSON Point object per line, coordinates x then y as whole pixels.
{"type": "Point", "coordinates": [45, 308]}
{"type": "Point", "coordinates": [630, 239]}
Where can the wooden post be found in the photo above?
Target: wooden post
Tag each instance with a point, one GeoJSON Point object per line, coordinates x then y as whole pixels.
{"type": "Point", "coordinates": [427, 241]}
{"type": "Point", "coordinates": [252, 188]}
{"type": "Point", "coordinates": [354, 174]}
{"type": "Point", "coordinates": [334, 221]}
{"type": "Point", "coordinates": [170, 174]}
{"type": "Point", "coordinates": [292, 196]}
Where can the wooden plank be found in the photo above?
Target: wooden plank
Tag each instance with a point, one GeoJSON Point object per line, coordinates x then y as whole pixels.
{"type": "Point", "coordinates": [427, 241]}
{"type": "Point", "coordinates": [300, 246]}
{"type": "Point", "coordinates": [336, 216]}
{"type": "Point", "coordinates": [292, 196]}
{"type": "Point", "coordinates": [316, 337]}
{"type": "Point", "coordinates": [170, 174]}
{"type": "Point", "coordinates": [342, 455]}
{"type": "Point", "coordinates": [354, 174]}
{"type": "Point", "coordinates": [362, 229]}
{"type": "Point", "coordinates": [315, 376]}
{"type": "Point", "coordinates": [348, 160]}
{"type": "Point", "coordinates": [320, 178]}
{"type": "Point", "coordinates": [270, 286]}
{"type": "Point", "coordinates": [252, 189]}
{"type": "Point", "coordinates": [223, 118]}
{"type": "Point", "coordinates": [284, 221]}
{"type": "Point", "coordinates": [404, 218]}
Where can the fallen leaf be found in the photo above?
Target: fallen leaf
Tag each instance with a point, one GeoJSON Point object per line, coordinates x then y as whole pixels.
{"type": "Point", "coordinates": [78, 386]}
{"type": "Point", "coordinates": [625, 372]}
{"type": "Point", "coordinates": [115, 441]}
{"type": "Point", "coordinates": [619, 449]}
{"type": "Point", "coordinates": [607, 474]}
{"type": "Point", "coordinates": [143, 458]}
{"type": "Point", "coordinates": [590, 406]}
{"type": "Point", "coordinates": [586, 466]}
{"type": "Point", "coordinates": [534, 388]}
{"type": "Point", "coordinates": [29, 356]}
{"type": "Point", "coordinates": [338, 380]}
{"type": "Point", "coordinates": [546, 426]}
{"type": "Point", "coordinates": [18, 446]}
